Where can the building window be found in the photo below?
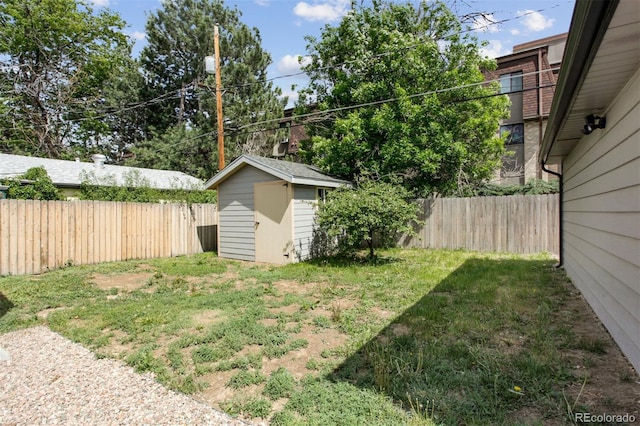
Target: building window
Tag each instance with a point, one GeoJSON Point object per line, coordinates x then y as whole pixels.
{"type": "Point", "coordinates": [511, 82]}
{"type": "Point", "coordinates": [322, 195]}
{"type": "Point", "coordinates": [514, 133]}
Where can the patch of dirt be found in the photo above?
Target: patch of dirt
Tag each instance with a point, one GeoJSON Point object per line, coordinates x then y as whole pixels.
{"type": "Point", "coordinates": [337, 306]}
{"type": "Point", "coordinates": [295, 361]}
{"type": "Point", "coordinates": [126, 282]}
{"type": "Point", "coordinates": [291, 287]}
{"type": "Point", "coordinates": [399, 329]}
{"type": "Point", "coordinates": [612, 385]}
{"type": "Point", "coordinates": [394, 330]}
{"type": "Point", "coordinates": [288, 310]}
{"type": "Point", "coordinates": [206, 318]}
{"type": "Point", "coordinates": [226, 276]}
{"type": "Point", "coordinates": [269, 322]}
{"type": "Point", "coordinates": [244, 284]}
{"type": "Point", "coordinates": [117, 348]}
{"type": "Point", "coordinates": [44, 314]}
{"type": "Point", "coordinates": [510, 342]}
{"type": "Point", "coordinates": [217, 392]}
{"type": "Point", "coordinates": [381, 313]}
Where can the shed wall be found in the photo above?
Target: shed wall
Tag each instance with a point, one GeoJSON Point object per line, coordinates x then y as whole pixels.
{"type": "Point", "coordinates": [236, 213]}
{"type": "Point", "coordinates": [304, 211]}
{"type": "Point", "coordinates": [601, 226]}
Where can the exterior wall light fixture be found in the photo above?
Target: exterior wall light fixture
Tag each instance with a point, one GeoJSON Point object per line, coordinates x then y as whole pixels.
{"type": "Point", "coordinates": [593, 122]}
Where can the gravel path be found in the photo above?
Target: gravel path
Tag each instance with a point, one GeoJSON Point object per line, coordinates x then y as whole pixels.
{"type": "Point", "coordinates": [51, 380]}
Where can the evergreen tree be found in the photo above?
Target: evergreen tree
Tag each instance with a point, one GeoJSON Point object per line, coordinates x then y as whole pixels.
{"type": "Point", "coordinates": [181, 116]}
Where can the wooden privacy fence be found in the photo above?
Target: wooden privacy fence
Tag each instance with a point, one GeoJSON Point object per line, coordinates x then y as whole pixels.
{"type": "Point", "coordinates": [516, 224]}
{"type": "Point", "coordinates": [36, 236]}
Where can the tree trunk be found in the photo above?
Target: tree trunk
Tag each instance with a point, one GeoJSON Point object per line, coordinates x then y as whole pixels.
{"type": "Point", "coordinates": [370, 243]}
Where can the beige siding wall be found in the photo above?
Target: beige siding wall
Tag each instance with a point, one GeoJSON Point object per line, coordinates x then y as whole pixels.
{"type": "Point", "coordinates": [304, 215]}
{"type": "Point", "coordinates": [236, 213]}
{"type": "Point", "coordinates": [602, 220]}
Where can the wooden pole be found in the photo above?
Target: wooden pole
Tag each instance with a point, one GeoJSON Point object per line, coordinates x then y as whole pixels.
{"type": "Point", "coordinates": [219, 101]}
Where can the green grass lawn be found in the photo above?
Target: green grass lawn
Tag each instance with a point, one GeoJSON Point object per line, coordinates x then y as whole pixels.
{"type": "Point", "coordinates": [418, 337]}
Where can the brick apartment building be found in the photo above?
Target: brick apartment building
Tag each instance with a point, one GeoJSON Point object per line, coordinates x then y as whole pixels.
{"type": "Point", "coordinates": [528, 76]}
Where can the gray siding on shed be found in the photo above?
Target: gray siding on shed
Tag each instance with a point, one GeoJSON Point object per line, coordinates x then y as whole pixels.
{"type": "Point", "coordinates": [236, 218]}
{"type": "Point", "coordinates": [601, 227]}
{"type": "Point", "coordinates": [304, 212]}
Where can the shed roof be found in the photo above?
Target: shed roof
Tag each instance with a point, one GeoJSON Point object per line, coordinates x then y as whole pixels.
{"type": "Point", "coordinates": [71, 174]}
{"type": "Point", "coordinates": [296, 173]}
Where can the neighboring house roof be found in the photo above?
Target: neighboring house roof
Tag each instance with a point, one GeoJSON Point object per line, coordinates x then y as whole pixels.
{"type": "Point", "coordinates": [602, 53]}
{"type": "Point", "coordinates": [296, 173]}
{"type": "Point", "coordinates": [71, 174]}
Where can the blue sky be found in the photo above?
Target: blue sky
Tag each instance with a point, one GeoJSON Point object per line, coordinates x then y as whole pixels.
{"type": "Point", "coordinates": [284, 23]}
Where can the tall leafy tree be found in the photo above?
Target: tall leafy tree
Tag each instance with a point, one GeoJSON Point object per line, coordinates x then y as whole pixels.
{"type": "Point", "coordinates": [181, 97]}
{"type": "Point", "coordinates": [57, 59]}
{"type": "Point", "coordinates": [400, 85]}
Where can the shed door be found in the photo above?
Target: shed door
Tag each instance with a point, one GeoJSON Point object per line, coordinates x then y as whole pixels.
{"type": "Point", "coordinates": [273, 224]}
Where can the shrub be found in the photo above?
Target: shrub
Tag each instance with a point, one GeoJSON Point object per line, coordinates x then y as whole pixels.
{"type": "Point", "coordinates": [137, 189]}
{"type": "Point", "coordinates": [40, 186]}
{"type": "Point", "coordinates": [533, 187]}
{"type": "Point", "coordinates": [373, 210]}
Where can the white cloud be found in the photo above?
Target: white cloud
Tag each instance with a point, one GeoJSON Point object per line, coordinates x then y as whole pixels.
{"type": "Point", "coordinates": [292, 97]}
{"type": "Point", "coordinates": [330, 10]}
{"type": "Point", "coordinates": [100, 3]}
{"type": "Point", "coordinates": [494, 49]}
{"type": "Point", "coordinates": [137, 35]}
{"type": "Point", "coordinates": [485, 24]}
{"type": "Point", "coordinates": [515, 31]}
{"type": "Point", "coordinates": [289, 64]}
{"type": "Point", "coordinates": [535, 21]}
{"type": "Point", "coordinates": [262, 3]}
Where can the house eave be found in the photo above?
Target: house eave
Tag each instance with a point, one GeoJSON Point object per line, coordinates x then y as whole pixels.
{"type": "Point", "coordinates": [317, 182]}
{"type": "Point", "coordinates": [589, 23]}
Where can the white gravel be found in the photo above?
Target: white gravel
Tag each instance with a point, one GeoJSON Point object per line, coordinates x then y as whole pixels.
{"type": "Point", "coordinates": [51, 380]}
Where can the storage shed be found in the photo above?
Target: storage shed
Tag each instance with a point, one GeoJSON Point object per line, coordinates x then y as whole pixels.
{"type": "Point", "coordinates": [266, 208]}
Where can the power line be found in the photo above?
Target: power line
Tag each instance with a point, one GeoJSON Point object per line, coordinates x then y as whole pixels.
{"type": "Point", "coordinates": [372, 103]}
{"type": "Point", "coordinates": [389, 100]}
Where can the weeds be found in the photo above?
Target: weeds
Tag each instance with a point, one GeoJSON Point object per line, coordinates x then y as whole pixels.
{"type": "Point", "coordinates": [245, 378]}
{"type": "Point", "coordinates": [571, 407]}
{"type": "Point", "coordinates": [252, 406]}
{"type": "Point", "coordinates": [280, 385]}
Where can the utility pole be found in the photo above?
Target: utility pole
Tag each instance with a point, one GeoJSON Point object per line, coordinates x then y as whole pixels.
{"type": "Point", "coordinates": [219, 100]}
{"type": "Point", "coordinates": [212, 66]}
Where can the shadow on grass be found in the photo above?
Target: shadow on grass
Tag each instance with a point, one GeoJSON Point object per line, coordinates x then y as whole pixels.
{"type": "Point", "coordinates": [477, 348]}
{"type": "Point", "coordinates": [5, 305]}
